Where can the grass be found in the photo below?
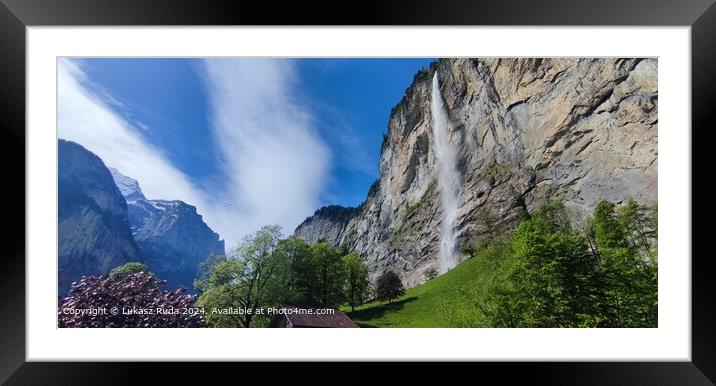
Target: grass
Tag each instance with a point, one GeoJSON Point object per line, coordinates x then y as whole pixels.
{"type": "Point", "coordinates": [449, 300]}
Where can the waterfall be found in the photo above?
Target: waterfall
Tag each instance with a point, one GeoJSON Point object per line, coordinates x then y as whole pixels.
{"type": "Point", "coordinates": [448, 180]}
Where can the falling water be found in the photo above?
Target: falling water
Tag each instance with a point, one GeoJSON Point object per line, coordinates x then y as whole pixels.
{"type": "Point", "coordinates": [448, 180]}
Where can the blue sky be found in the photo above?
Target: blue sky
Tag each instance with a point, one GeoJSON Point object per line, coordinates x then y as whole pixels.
{"type": "Point", "coordinates": [247, 141]}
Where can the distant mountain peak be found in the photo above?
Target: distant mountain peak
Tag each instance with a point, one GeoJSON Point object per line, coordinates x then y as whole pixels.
{"type": "Point", "coordinates": [129, 187]}
{"type": "Point", "coordinates": [171, 235]}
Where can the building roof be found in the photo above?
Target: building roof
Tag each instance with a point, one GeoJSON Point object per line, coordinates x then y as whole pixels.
{"type": "Point", "coordinates": [309, 318]}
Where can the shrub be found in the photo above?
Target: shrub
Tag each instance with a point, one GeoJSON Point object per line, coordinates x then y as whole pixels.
{"type": "Point", "coordinates": [132, 297]}
{"type": "Point", "coordinates": [430, 273]}
{"type": "Point", "coordinates": [468, 249]}
{"type": "Point", "coordinates": [128, 269]}
{"type": "Point", "coordinates": [352, 233]}
{"type": "Point", "coordinates": [413, 208]}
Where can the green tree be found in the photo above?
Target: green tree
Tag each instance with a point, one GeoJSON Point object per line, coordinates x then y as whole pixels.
{"type": "Point", "coordinates": [357, 283]}
{"type": "Point", "coordinates": [608, 231]}
{"type": "Point", "coordinates": [329, 274]}
{"type": "Point", "coordinates": [301, 278]}
{"type": "Point", "coordinates": [204, 270]}
{"type": "Point", "coordinates": [389, 286]}
{"type": "Point", "coordinates": [628, 270]}
{"type": "Point", "coordinates": [127, 269]}
{"type": "Point", "coordinates": [250, 278]}
{"type": "Point", "coordinates": [551, 273]}
{"type": "Point", "coordinates": [549, 280]}
{"type": "Point", "coordinates": [640, 225]}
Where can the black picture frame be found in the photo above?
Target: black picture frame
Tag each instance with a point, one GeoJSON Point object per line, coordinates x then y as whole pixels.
{"type": "Point", "coordinates": [16, 15]}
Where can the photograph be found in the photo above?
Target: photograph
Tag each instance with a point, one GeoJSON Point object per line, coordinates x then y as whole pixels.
{"type": "Point", "coordinates": [484, 183]}
{"type": "Point", "coordinates": [357, 192]}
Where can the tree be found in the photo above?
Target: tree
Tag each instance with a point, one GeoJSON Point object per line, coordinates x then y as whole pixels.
{"type": "Point", "coordinates": [640, 226]}
{"type": "Point", "coordinates": [389, 286]}
{"type": "Point", "coordinates": [628, 269]}
{"type": "Point", "coordinates": [314, 274]}
{"type": "Point", "coordinates": [128, 269]}
{"type": "Point", "coordinates": [246, 281]}
{"type": "Point", "coordinates": [356, 286]}
{"type": "Point", "coordinates": [549, 277]}
{"type": "Point", "coordinates": [301, 276]}
{"type": "Point", "coordinates": [204, 270]}
{"type": "Point", "coordinates": [126, 300]}
{"type": "Point", "coordinates": [550, 273]}
{"type": "Point", "coordinates": [329, 274]}
{"type": "Point", "coordinates": [608, 232]}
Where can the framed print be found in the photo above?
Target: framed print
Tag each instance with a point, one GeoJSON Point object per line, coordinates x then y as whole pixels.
{"type": "Point", "coordinates": [455, 183]}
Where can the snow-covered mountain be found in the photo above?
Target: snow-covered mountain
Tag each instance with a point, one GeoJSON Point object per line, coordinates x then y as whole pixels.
{"type": "Point", "coordinates": [129, 187]}
{"type": "Point", "coordinates": [172, 237]}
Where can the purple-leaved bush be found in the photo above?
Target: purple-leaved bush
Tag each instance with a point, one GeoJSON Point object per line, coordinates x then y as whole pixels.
{"type": "Point", "coordinates": [133, 301]}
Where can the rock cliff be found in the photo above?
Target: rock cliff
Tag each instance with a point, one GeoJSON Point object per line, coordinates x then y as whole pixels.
{"type": "Point", "coordinates": [526, 131]}
{"type": "Point", "coordinates": [94, 234]}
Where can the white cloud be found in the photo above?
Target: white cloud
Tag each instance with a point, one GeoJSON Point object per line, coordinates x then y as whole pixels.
{"type": "Point", "coordinates": [274, 162]}
{"type": "Point", "coordinates": [84, 117]}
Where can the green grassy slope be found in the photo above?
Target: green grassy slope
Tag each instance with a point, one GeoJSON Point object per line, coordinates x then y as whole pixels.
{"type": "Point", "coordinates": [449, 300]}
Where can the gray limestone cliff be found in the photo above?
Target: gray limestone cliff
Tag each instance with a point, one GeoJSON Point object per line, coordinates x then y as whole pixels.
{"type": "Point", "coordinates": [526, 131]}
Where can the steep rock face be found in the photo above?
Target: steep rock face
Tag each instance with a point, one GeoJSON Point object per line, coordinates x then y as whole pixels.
{"type": "Point", "coordinates": [527, 131]}
{"type": "Point", "coordinates": [327, 224]}
{"type": "Point", "coordinates": [172, 237]}
{"type": "Point", "coordinates": [94, 234]}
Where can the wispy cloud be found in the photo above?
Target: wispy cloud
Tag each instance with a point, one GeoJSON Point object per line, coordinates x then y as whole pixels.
{"type": "Point", "coordinates": [274, 163]}
{"type": "Point", "coordinates": [87, 118]}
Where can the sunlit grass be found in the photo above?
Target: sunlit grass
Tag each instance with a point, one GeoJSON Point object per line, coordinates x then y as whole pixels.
{"type": "Point", "coordinates": [449, 300]}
